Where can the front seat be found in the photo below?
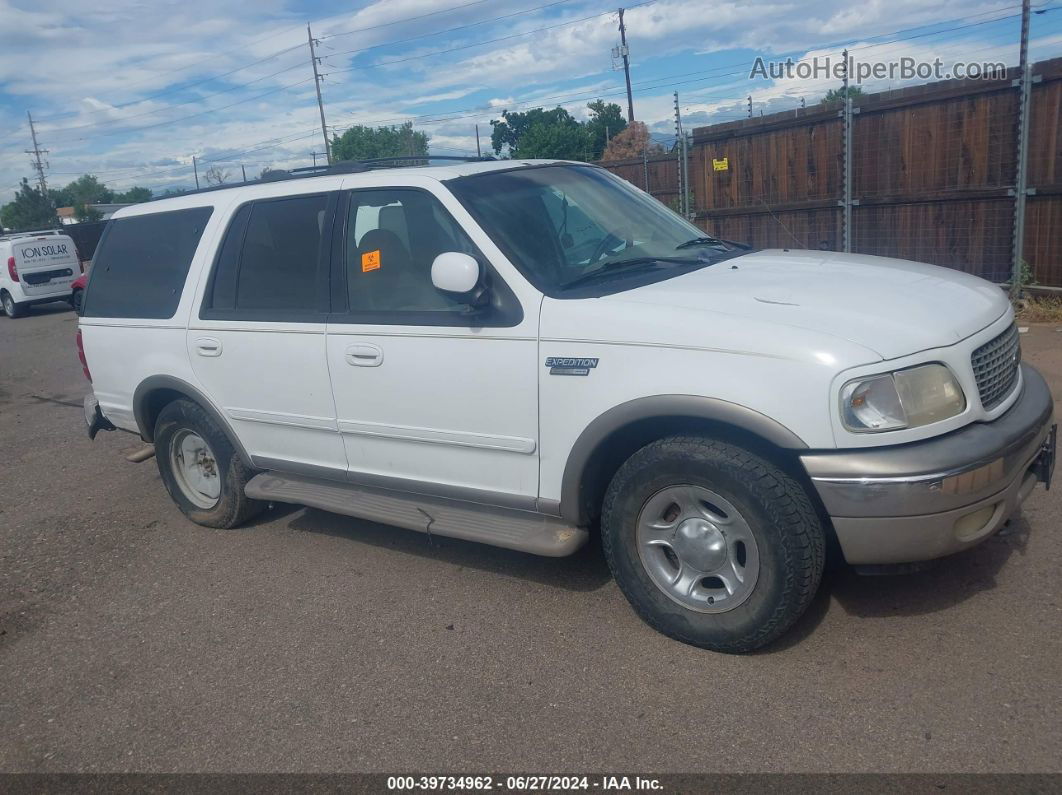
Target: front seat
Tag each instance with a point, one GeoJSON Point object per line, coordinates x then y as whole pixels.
{"type": "Point", "coordinates": [381, 276]}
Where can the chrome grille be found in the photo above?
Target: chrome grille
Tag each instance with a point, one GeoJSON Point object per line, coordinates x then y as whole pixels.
{"type": "Point", "coordinates": [995, 366]}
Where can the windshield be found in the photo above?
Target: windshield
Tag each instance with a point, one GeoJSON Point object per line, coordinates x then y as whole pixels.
{"type": "Point", "coordinates": [565, 226]}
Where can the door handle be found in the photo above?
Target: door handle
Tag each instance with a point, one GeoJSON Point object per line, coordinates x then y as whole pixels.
{"type": "Point", "coordinates": [364, 355]}
{"type": "Point", "coordinates": [208, 346]}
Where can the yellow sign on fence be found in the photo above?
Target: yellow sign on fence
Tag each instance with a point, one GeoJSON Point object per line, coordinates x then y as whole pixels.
{"type": "Point", "coordinates": [721, 165]}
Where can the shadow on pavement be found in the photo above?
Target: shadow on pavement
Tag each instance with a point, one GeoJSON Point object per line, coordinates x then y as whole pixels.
{"type": "Point", "coordinates": [946, 583]}
{"type": "Point", "coordinates": [941, 585]}
{"type": "Point", "coordinates": [586, 570]}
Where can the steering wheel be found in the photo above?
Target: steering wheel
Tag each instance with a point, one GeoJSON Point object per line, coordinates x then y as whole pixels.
{"type": "Point", "coordinates": [608, 242]}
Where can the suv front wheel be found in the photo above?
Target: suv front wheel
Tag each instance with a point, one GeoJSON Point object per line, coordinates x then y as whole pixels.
{"type": "Point", "coordinates": [202, 471]}
{"type": "Point", "coordinates": [712, 544]}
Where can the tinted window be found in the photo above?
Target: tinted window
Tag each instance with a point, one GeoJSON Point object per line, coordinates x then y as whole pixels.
{"type": "Point", "coordinates": [392, 239]}
{"type": "Point", "coordinates": [281, 255]}
{"type": "Point", "coordinates": [221, 291]}
{"type": "Point", "coordinates": [142, 262]}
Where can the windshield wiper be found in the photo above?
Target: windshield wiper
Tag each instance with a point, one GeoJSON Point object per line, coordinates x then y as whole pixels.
{"type": "Point", "coordinates": [629, 264]}
{"type": "Point", "coordinates": [707, 240]}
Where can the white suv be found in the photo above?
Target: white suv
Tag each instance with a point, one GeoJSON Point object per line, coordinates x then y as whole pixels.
{"type": "Point", "coordinates": [520, 352]}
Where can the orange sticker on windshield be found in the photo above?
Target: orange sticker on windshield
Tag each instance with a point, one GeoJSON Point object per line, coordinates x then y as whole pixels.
{"type": "Point", "coordinates": [370, 261]}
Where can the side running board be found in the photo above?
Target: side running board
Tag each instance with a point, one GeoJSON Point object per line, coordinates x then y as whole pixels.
{"type": "Point", "coordinates": [501, 527]}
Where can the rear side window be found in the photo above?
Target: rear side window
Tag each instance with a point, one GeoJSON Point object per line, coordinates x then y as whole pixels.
{"type": "Point", "coordinates": [273, 260]}
{"type": "Point", "coordinates": [142, 263]}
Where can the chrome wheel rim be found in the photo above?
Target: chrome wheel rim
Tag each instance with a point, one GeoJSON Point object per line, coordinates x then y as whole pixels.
{"type": "Point", "coordinates": [9, 306]}
{"type": "Point", "coordinates": [698, 549]}
{"type": "Point", "coordinates": [195, 469]}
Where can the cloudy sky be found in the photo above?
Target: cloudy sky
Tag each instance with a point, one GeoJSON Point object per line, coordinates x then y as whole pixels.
{"type": "Point", "coordinates": [130, 90]}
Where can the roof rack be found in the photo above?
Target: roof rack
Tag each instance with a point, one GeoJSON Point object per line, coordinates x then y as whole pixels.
{"type": "Point", "coordinates": [342, 167]}
{"type": "Point", "coordinates": [35, 233]}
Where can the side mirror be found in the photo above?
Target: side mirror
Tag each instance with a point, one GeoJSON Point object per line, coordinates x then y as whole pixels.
{"type": "Point", "coordinates": [460, 276]}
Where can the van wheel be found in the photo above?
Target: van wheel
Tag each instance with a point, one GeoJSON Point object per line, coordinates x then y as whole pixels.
{"type": "Point", "coordinates": [75, 300]}
{"type": "Point", "coordinates": [202, 471]}
{"type": "Point", "coordinates": [11, 309]}
{"type": "Point", "coordinates": [711, 544]}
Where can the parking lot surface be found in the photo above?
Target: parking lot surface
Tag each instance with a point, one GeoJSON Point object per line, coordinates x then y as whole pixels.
{"type": "Point", "coordinates": [131, 639]}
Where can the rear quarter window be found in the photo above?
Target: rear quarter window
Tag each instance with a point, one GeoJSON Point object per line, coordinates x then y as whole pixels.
{"type": "Point", "coordinates": [142, 263]}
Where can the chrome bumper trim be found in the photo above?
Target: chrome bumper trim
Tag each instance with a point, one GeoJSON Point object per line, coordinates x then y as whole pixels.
{"type": "Point", "coordinates": [940, 474]}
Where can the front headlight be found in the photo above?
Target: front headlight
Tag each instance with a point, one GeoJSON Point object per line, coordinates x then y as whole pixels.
{"type": "Point", "coordinates": [903, 399]}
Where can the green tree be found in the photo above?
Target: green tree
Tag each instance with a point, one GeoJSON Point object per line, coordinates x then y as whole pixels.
{"type": "Point", "coordinates": [31, 209]}
{"type": "Point", "coordinates": [555, 141]}
{"type": "Point", "coordinates": [86, 189]}
{"type": "Point", "coordinates": [606, 121]}
{"type": "Point", "coordinates": [508, 133]}
{"type": "Point", "coordinates": [135, 195]}
{"type": "Point", "coordinates": [86, 212]}
{"type": "Point", "coordinates": [837, 94]}
{"type": "Point", "coordinates": [366, 143]}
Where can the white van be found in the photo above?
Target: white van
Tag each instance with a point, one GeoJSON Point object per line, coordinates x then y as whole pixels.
{"type": "Point", "coordinates": [37, 267]}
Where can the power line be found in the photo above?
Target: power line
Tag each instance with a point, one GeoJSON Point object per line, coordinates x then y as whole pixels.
{"type": "Point", "coordinates": [648, 84]}
{"type": "Point", "coordinates": [287, 69]}
{"type": "Point", "coordinates": [511, 36]}
{"type": "Point", "coordinates": [193, 115]}
{"type": "Point", "coordinates": [451, 30]}
{"type": "Point", "coordinates": [265, 58]}
{"type": "Point", "coordinates": [171, 106]}
{"type": "Point", "coordinates": [181, 87]}
{"type": "Point", "coordinates": [406, 19]}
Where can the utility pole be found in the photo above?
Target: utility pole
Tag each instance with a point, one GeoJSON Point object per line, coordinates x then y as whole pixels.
{"type": "Point", "coordinates": [626, 66]}
{"type": "Point", "coordinates": [195, 170]}
{"type": "Point", "coordinates": [749, 100]}
{"type": "Point", "coordinates": [478, 152]}
{"type": "Point", "coordinates": [314, 60]}
{"type": "Point", "coordinates": [1024, 83]}
{"type": "Point", "coordinates": [243, 169]}
{"type": "Point", "coordinates": [39, 165]}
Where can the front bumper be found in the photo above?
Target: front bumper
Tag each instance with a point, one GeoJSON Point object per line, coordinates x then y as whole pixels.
{"type": "Point", "coordinates": [927, 499]}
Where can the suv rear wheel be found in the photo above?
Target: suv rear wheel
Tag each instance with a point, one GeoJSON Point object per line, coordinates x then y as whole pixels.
{"type": "Point", "coordinates": [202, 471]}
{"type": "Point", "coordinates": [711, 544]}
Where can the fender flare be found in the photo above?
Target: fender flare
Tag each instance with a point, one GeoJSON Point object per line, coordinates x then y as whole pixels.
{"type": "Point", "coordinates": [661, 407]}
{"type": "Point", "coordinates": [154, 383]}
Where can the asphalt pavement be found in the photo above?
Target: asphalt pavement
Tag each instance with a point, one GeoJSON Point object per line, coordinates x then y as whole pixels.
{"type": "Point", "coordinates": [133, 640]}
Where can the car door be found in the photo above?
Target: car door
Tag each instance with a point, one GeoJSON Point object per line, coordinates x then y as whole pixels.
{"type": "Point", "coordinates": [258, 343]}
{"type": "Point", "coordinates": [430, 395]}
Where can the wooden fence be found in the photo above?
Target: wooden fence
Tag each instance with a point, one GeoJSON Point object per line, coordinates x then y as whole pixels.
{"type": "Point", "coordinates": [933, 175]}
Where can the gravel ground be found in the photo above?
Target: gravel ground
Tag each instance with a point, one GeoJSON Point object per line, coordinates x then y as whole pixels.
{"type": "Point", "coordinates": [131, 639]}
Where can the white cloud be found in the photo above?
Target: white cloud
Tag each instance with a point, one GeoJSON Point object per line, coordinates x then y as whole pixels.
{"type": "Point", "coordinates": [90, 73]}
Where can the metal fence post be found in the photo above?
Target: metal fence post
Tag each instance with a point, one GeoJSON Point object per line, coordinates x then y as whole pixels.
{"type": "Point", "coordinates": [1020, 183]}
{"type": "Point", "coordinates": [688, 211]}
{"type": "Point", "coordinates": [645, 167]}
{"type": "Point", "coordinates": [1021, 164]}
{"type": "Point", "coordinates": [846, 200]}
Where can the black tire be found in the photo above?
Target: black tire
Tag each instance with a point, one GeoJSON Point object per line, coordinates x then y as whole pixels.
{"type": "Point", "coordinates": [787, 531]}
{"type": "Point", "coordinates": [75, 300]}
{"type": "Point", "coordinates": [233, 507]}
{"type": "Point", "coordinates": [11, 309]}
